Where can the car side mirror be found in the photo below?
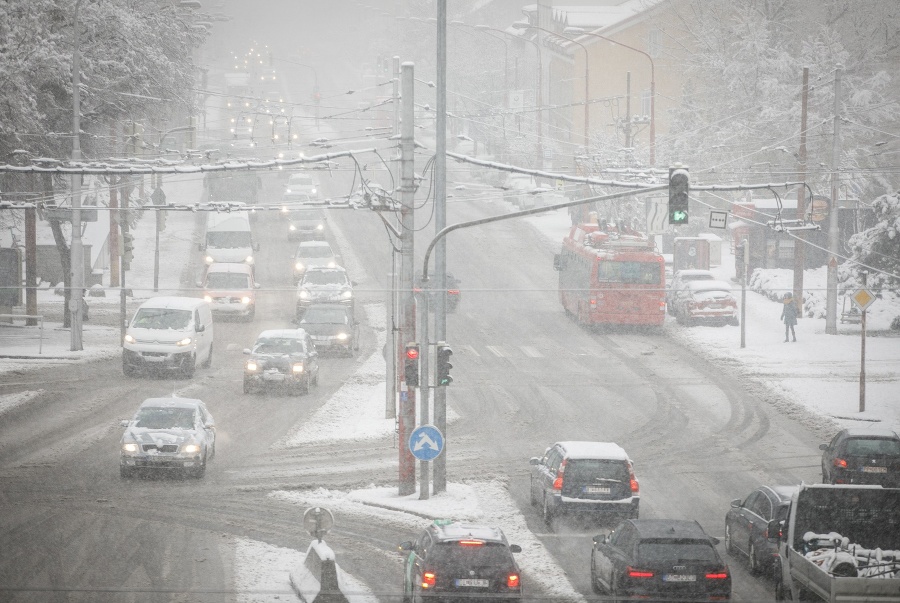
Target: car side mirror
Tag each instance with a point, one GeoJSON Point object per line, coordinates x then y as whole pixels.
{"type": "Point", "coordinates": [774, 529]}
{"type": "Point", "coordinates": [534, 461]}
{"type": "Point", "coordinates": [354, 283]}
{"type": "Point", "coordinates": [256, 247]}
{"type": "Point", "coordinates": [714, 540]}
{"type": "Point", "coordinates": [247, 351]}
{"type": "Point", "coordinates": [406, 546]}
{"type": "Point", "coordinates": [256, 285]}
{"type": "Point", "coordinates": [199, 284]}
{"type": "Point", "coordinates": [823, 446]}
{"type": "Point", "coordinates": [736, 503]}
{"type": "Point", "coordinates": [200, 328]}
{"type": "Point", "coordinates": [124, 422]}
{"type": "Point", "coordinates": [515, 548]}
{"type": "Point", "coordinates": [201, 246]}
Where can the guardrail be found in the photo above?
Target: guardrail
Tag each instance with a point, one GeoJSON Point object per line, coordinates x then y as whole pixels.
{"type": "Point", "coordinates": [7, 335]}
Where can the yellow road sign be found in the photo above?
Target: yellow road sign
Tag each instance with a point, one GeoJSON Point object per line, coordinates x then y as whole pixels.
{"type": "Point", "coordinates": [863, 298]}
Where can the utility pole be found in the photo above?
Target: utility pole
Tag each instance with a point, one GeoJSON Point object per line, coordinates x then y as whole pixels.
{"type": "Point", "coordinates": [407, 419]}
{"type": "Point", "coordinates": [833, 230]}
{"type": "Point", "coordinates": [800, 241]}
{"type": "Point", "coordinates": [392, 343]}
{"type": "Point", "coordinates": [628, 110]}
{"type": "Point", "coordinates": [31, 306]}
{"type": "Point", "coordinates": [440, 221]}
{"type": "Point", "coordinates": [76, 251]}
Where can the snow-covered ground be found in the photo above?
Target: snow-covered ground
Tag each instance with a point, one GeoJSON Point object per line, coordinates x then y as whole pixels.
{"type": "Point", "coordinates": [819, 374]}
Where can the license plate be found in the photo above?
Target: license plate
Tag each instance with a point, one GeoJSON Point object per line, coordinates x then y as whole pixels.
{"type": "Point", "coordinates": [476, 582]}
{"type": "Point", "coordinates": [714, 306]}
{"type": "Point", "coordinates": [273, 377]}
{"type": "Point", "coordinates": [874, 469]}
{"type": "Point", "coordinates": [596, 490]}
{"type": "Point", "coordinates": [679, 578]}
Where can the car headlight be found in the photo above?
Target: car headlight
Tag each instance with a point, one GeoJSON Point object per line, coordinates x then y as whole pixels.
{"type": "Point", "coordinates": [245, 300]}
{"type": "Point", "coordinates": [287, 190]}
{"type": "Point", "coordinates": [129, 447]}
{"type": "Point", "coordinates": [313, 191]}
{"type": "Point", "coordinates": [298, 266]}
{"type": "Point", "coordinates": [342, 336]}
{"type": "Point", "coordinates": [346, 294]}
{"type": "Point", "coordinates": [297, 368]}
{"type": "Point", "coordinates": [292, 228]}
{"type": "Point", "coordinates": [304, 294]}
{"type": "Point", "coordinates": [284, 209]}
{"type": "Point", "coordinates": [207, 298]}
{"type": "Point", "coordinates": [332, 264]}
{"type": "Point", "coordinates": [209, 259]}
{"type": "Point", "coordinates": [320, 227]}
{"type": "Point", "coordinates": [252, 366]}
{"type": "Point", "coordinates": [184, 342]}
{"type": "Point", "coordinates": [129, 339]}
{"type": "Point", "coordinates": [249, 259]}
{"type": "Point", "coordinates": [191, 448]}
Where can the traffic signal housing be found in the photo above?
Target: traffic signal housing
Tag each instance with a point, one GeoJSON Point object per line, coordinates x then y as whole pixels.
{"type": "Point", "coordinates": [127, 249]}
{"type": "Point", "coordinates": [679, 187]}
{"type": "Point", "coordinates": [443, 364]}
{"type": "Point", "coordinates": [411, 365]}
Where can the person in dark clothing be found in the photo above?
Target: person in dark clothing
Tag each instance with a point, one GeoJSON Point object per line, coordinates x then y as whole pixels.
{"type": "Point", "coordinates": [789, 313]}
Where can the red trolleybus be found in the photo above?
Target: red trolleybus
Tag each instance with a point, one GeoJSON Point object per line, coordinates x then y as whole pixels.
{"type": "Point", "coordinates": [612, 276]}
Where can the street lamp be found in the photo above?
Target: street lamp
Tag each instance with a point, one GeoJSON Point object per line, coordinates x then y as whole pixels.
{"type": "Point", "coordinates": [521, 25]}
{"type": "Point", "coordinates": [652, 85]}
{"type": "Point", "coordinates": [540, 89]}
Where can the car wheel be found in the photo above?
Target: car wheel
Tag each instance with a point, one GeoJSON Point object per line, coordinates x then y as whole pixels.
{"type": "Point", "coordinates": [729, 546]}
{"type": "Point", "coordinates": [128, 370]}
{"type": "Point", "coordinates": [753, 561]}
{"type": "Point", "coordinates": [533, 498]}
{"type": "Point", "coordinates": [595, 586]}
{"type": "Point", "coordinates": [547, 512]}
{"type": "Point", "coordinates": [247, 387]}
{"type": "Point", "coordinates": [208, 362]}
{"type": "Point", "coordinates": [614, 591]}
{"type": "Point", "coordinates": [201, 470]}
{"type": "Point", "coordinates": [779, 589]}
{"type": "Point", "coordinates": [125, 472]}
{"type": "Point", "coordinates": [679, 319]}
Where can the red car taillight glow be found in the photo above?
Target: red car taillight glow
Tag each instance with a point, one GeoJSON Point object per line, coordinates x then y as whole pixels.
{"type": "Point", "coordinates": [840, 463]}
{"type": "Point", "coordinates": [720, 575]}
{"type": "Point", "coordinates": [512, 581]}
{"type": "Point", "coordinates": [428, 579]}
{"type": "Point", "coordinates": [557, 483]}
{"type": "Point", "coordinates": [638, 573]}
{"type": "Point", "coordinates": [635, 487]}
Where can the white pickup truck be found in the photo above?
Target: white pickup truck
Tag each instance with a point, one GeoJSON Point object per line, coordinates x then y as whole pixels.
{"type": "Point", "coordinates": [840, 543]}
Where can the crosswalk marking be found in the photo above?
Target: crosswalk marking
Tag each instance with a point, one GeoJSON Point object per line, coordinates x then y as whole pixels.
{"type": "Point", "coordinates": [496, 351]}
{"type": "Point", "coordinates": [531, 352]}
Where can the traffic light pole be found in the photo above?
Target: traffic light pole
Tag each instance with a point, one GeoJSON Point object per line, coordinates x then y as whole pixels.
{"type": "Point", "coordinates": [424, 390]}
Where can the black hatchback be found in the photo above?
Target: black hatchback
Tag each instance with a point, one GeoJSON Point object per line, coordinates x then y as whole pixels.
{"type": "Point", "coordinates": [659, 559]}
{"type": "Point", "coordinates": [862, 456]}
{"type": "Point", "coordinates": [453, 561]}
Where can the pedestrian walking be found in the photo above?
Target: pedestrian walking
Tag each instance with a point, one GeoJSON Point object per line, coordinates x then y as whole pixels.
{"type": "Point", "coordinates": [789, 313]}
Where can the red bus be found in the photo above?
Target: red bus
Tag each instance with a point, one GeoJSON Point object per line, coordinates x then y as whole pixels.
{"type": "Point", "coordinates": [611, 276]}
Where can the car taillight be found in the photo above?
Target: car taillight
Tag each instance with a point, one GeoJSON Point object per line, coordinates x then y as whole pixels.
{"type": "Point", "coordinates": [471, 543]}
{"type": "Point", "coordinates": [635, 487]}
{"type": "Point", "coordinates": [428, 579]}
{"type": "Point", "coordinates": [719, 575]}
{"type": "Point", "coordinates": [840, 463]}
{"type": "Point", "coordinates": [632, 572]}
{"type": "Point", "coordinates": [557, 483]}
{"type": "Point", "coordinates": [512, 581]}
{"type": "Point", "coordinates": [453, 291]}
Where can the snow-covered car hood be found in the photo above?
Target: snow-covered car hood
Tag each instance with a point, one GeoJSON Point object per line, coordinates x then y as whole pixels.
{"type": "Point", "coordinates": [276, 361]}
{"type": "Point", "coordinates": [160, 437]}
{"type": "Point", "coordinates": [160, 335]}
{"type": "Point", "coordinates": [325, 328]}
{"type": "Point", "coordinates": [235, 255]}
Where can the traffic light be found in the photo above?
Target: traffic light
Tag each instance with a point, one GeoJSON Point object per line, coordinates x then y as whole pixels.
{"type": "Point", "coordinates": [679, 186]}
{"type": "Point", "coordinates": [443, 364]}
{"type": "Point", "coordinates": [127, 249]}
{"type": "Point", "coordinates": [411, 365]}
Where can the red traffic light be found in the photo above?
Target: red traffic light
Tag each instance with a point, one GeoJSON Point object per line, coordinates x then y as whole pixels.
{"type": "Point", "coordinates": [412, 351]}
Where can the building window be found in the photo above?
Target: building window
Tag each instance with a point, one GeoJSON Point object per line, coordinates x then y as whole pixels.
{"type": "Point", "coordinates": [654, 42]}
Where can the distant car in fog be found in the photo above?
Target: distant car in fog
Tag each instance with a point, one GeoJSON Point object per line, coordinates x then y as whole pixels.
{"type": "Point", "coordinates": [706, 302]}
{"type": "Point", "coordinates": [282, 358]}
{"type": "Point", "coordinates": [305, 224]}
{"type": "Point", "coordinates": [324, 285]}
{"type": "Point", "coordinates": [302, 183]}
{"type": "Point", "coordinates": [332, 328]}
{"type": "Point", "coordinates": [313, 254]}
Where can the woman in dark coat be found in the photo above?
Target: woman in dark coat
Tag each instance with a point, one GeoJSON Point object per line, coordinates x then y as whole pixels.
{"type": "Point", "coordinates": [789, 315]}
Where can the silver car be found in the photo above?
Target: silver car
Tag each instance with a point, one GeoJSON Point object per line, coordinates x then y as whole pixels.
{"type": "Point", "coordinates": [171, 434]}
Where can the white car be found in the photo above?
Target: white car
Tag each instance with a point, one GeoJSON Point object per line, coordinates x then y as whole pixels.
{"type": "Point", "coordinates": [169, 434]}
{"type": "Point", "coordinates": [305, 184]}
{"type": "Point", "coordinates": [678, 283]}
{"type": "Point", "coordinates": [314, 254]}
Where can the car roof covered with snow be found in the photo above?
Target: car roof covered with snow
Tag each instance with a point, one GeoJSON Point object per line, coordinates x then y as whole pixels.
{"type": "Point", "coordinates": [171, 403]}
{"type": "Point", "coordinates": [714, 285]}
{"type": "Point", "coordinates": [229, 267]}
{"type": "Point", "coordinates": [593, 450]}
{"type": "Point", "coordinates": [173, 302]}
{"type": "Point", "coordinates": [282, 334]}
{"type": "Point", "coordinates": [694, 273]}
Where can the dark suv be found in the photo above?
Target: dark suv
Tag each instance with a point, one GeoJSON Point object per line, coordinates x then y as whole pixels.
{"type": "Point", "coordinates": [862, 456]}
{"type": "Point", "coordinates": [659, 559]}
{"type": "Point", "coordinates": [595, 478]}
{"type": "Point", "coordinates": [451, 561]}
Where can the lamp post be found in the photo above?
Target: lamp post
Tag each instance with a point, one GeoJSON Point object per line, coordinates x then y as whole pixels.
{"type": "Point", "coordinates": [587, 85]}
{"type": "Point", "coordinates": [652, 85]}
{"type": "Point", "coordinates": [77, 250]}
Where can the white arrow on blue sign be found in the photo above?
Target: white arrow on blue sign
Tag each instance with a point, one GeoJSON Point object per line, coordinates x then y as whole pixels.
{"type": "Point", "coordinates": [426, 442]}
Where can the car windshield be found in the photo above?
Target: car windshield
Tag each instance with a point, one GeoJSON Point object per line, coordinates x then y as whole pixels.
{"type": "Point", "coordinates": [636, 273]}
{"type": "Point", "coordinates": [279, 345]}
{"type": "Point", "coordinates": [592, 470]}
{"type": "Point", "coordinates": [873, 447]}
{"type": "Point", "coordinates": [697, 277]}
{"type": "Point", "coordinates": [162, 318]}
{"type": "Point", "coordinates": [321, 277]}
{"type": "Point", "coordinates": [675, 550]}
{"type": "Point", "coordinates": [165, 418]}
{"type": "Point", "coordinates": [325, 315]}
{"type": "Point", "coordinates": [315, 252]}
{"type": "Point", "coordinates": [456, 558]}
{"type": "Point", "coordinates": [300, 180]}
{"type": "Point", "coordinates": [227, 280]}
{"type": "Point", "coordinates": [228, 239]}
{"type": "Point", "coordinates": [306, 215]}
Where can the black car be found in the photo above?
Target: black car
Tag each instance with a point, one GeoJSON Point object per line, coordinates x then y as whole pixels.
{"type": "Point", "coordinates": [585, 478]}
{"type": "Point", "coordinates": [659, 559]}
{"type": "Point", "coordinates": [332, 327]}
{"type": "Point", "coordinates": [452, 295]}
{"type": "Point", "coordinates": [282, 358]}
{"type": "Point", "coordinates": [862, 456]}
{"type": "Point", "coordinates": [747, 525]}
{"type": "Point", "coordinates": [453, 561]}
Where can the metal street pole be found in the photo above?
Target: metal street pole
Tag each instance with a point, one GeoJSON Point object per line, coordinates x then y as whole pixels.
{"type": "Point", "coordinates": [407, 419]}
{"type": "Point", "coordinates": [393, 349]}
{"type": "Point", "coordinates": [833, 229]}
{"type": "Point", "coordinates": [440, 221]}
{"type": "Point", "coordinates": [862, 360]}
{"type": "Point", "coordinates": [746, 245]}
{"type": "Point", "coordinates": [76, 252]}
{"type": "Point", "coordinates": [800, 241]}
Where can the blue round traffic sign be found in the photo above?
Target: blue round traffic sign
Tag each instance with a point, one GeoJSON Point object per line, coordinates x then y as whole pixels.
{"type": "Point", "coordinates": [426, 442]}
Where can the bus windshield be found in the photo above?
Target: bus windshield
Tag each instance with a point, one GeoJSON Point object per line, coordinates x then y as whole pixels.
{"type": "Point", "coordinates": [632, 273]}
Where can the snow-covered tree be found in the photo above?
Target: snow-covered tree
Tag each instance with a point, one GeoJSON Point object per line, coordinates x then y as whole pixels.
{"type": "Point", "coordinates": [876, 250]}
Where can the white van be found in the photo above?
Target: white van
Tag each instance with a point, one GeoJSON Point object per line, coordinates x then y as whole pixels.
{"type": "Point", "coordinates": [228, 239]}
{"type": "Point", "coordinates": [169, 334]}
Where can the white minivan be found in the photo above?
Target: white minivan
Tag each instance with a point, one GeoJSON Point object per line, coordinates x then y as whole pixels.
{"type": "Point", "coordinates": [228, 239]}
{"type": "Point", "coordinates": [169, 334]}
